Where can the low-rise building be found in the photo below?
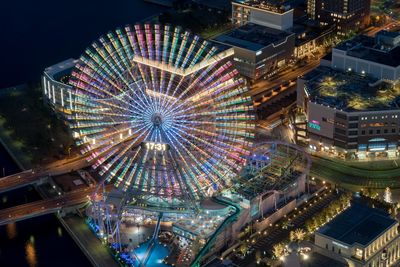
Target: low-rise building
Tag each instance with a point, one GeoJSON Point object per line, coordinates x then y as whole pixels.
{"type": "Point", "coordinates": [361, 237]}
{"type": "Point", "coordinates": [258, 50]}
{"type": "Point", "coordinates": [350, 113]}
{"type": "Point", "coordinates": [56, 90]}
{"type": "Point", "coordinates": [310, 37]}
{"type": "Point", "coordinates": [277, 14]}
{"type": "Point", "coordinates": [377, 56]}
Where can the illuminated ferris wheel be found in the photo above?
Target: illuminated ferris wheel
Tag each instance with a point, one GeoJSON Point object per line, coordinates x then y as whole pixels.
{"type": "Point", "coordinates": [160, 113]}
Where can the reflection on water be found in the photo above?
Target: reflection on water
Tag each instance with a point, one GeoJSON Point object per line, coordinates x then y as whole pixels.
{"type": "Point", "coordinates": [59, 231]}
{"type": "Point", "coordinates": [39, 242]}
{"type": "Point", "coordinates": [11, 230]}
{"type": "Point", "coordinates": [30, 252]}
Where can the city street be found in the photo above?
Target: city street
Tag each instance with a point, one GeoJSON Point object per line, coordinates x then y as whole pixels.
{"type": "Point", "coordinates": [290, 74]}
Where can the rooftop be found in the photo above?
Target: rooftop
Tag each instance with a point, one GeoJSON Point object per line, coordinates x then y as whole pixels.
{"type": "Point", "coordinates": [252, 37]}
{"type": "Point", "coordinates": [369, 48]}
{"type": "Point", "coordinates": [358, 224]}
{"type": "Point", "coordinates": [307, 30]}
{"type": "Point", "coordinates": [279, 6]}
{"type": "Point", "coordinates": [349, 91]}
{"type": "Point", "coordinates": [270, 168]}
{"type": "Point", "coordinates": [61, 68]}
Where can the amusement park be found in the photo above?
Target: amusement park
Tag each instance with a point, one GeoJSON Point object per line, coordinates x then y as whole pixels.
{"type": "Point", "coordinates": [162, 116]}
{"type": "Point", "coordinates": [197, 133]}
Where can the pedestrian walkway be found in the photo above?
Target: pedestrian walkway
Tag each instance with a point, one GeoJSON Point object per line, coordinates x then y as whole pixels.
{"type": "Point", "coordinates": [96, 252]}
{"type": "Point", "coordinates": [276, 234]}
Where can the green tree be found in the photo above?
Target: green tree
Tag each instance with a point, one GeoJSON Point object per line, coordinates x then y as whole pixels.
{"type": "Point", "coordinates": [278, 250]}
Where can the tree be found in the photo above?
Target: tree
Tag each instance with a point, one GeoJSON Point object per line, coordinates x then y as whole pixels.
{"type": "Point", "coordinates": [278, 250]}
{"type": "Point", "coordinates": [292, 236]}
{"type": "Point", "coordinates": [387, 196]}
{"type": "Point", "coordinates": [299, 234]}
{"type": "Point", "coordinates": [243, 249]}
{"type": "Point", "coordinates": [310, 225]}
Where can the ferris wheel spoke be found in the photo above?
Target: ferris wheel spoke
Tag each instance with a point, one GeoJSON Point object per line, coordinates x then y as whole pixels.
{"type": "Point", "coordinates": [153, 131]}
{"type": "Point", "coordinates": [210, 149]}
{"type": "Point", "coordinates": [196, 161]}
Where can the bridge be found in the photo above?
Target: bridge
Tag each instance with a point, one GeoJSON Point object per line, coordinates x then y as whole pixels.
{"type": "Point", "coordinates": [34, 175]}
{"type": "Point", "coordinates": [47, 206]}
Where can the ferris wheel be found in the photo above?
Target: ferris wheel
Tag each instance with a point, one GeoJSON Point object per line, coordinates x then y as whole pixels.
{"type": "Point", "coordinates": [161, 112]}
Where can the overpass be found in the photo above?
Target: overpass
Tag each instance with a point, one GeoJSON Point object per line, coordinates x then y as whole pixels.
{"type": "Point", "coordinates": [47, 206]}
{"type": "Point", "coordinates": [34, 175]}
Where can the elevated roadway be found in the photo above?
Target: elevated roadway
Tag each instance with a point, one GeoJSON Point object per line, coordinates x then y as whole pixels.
{"type": "Point", "coordinates": [291, 74]}
{"type": "Point", "coordinates": [33, 176]}
{"type": "Point", "coordinates": [46, 206]}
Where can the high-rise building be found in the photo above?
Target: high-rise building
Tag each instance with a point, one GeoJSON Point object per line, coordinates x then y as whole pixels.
{"type": "Point", "coordinates": [347, 15]}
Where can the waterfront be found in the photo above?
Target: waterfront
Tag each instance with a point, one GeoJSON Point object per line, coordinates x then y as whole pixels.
{"type": "Point", "coordinates": [37, 34]}
{"type": "Point", "coordinates": [37, 242]}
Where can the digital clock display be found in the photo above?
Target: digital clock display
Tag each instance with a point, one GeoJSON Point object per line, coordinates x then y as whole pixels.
{"type": "Point", "coordinates": [156, 146]}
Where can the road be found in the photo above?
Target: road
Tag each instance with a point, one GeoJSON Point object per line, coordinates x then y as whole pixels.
{"type": "Point", "coordinates": [288, 75]}
{"type": "Point", "coordinates": [31, 176]}
{"type": "Point", "coordinates": [335, 171]}
{"type": "Point", "coordinates": [374, 30]}
{"type": "Point", "coordinates": [46, 206]}
{"type": "Point", "coordinates": [276, 234]}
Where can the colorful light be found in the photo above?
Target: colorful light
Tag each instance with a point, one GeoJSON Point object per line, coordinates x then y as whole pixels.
{"type": "Point", "coordinates": [159, 111]}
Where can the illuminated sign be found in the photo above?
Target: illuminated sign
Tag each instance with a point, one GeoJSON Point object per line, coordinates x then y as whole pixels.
{"type": "Point", "coordinates": [314, 125]}
{"type": "Point", "coordinates": [155, 146]}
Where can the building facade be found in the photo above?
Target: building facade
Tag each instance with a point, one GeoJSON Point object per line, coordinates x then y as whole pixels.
{"type": "Point", "coordinates": [346, 15]}
{"type": "Point", "coordinates": [56, 91]}
{"type": "Point", "coordinates": [310, 37]}
{"type": "Point", "coordinates": [274, 14]}
{"type": "Point", "coordinates": [377, 56]}
{"type": "Point", "coordinates": [350, 114]}
{"type": "Point", "coordinates": [258, 50]}
{"type": "Point", "coordinates": [361, 237]}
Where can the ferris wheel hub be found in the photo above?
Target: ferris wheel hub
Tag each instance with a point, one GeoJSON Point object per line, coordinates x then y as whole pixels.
{"type": "Point", "coordinates": [157, 119]}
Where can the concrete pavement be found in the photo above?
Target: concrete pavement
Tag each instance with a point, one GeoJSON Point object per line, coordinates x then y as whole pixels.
{"type": "Point", "coordinates": [96, 252]}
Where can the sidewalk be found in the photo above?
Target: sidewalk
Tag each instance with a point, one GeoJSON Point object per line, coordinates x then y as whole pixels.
{"type": "Point", "coordinates": [96, 252]}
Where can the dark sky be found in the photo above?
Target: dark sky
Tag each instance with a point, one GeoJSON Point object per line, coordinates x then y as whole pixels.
{"type": "Point", "coordinates": [37, 34]}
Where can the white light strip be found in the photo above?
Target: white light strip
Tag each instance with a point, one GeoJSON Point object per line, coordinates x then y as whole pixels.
{"type": "Point", "coordinates": [183, 72]}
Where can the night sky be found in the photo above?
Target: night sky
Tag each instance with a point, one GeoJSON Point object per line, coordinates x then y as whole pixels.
{"type": "Point", "coordinates": [37, 34]}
